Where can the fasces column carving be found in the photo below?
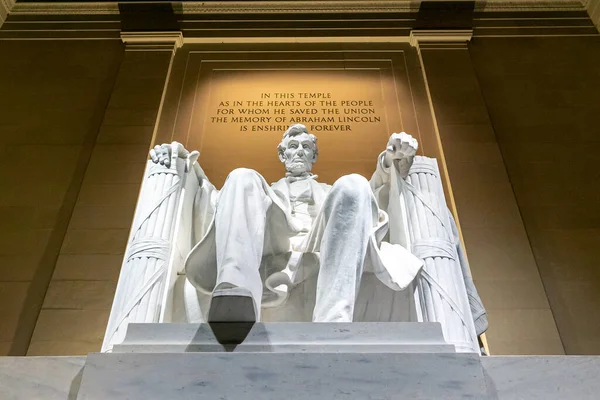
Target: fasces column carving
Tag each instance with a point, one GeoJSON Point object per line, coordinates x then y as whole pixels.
{"type": "Point", "coordinates": [147, 275]}
{"type": "Point", "coordinates": [441, 293]}
{"type": "Point", "coordinates": [140, 290]}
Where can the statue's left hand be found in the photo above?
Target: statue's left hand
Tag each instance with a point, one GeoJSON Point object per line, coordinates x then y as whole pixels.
{"type": "Point", "coordinates": [401, 149]}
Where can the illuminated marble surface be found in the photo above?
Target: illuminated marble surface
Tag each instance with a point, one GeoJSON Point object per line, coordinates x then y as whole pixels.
{"type": "Point", "coordinates": [43, 378]}
{"type": "Point", "coordinates": [293, 376]}
{"type": "Point", "coordinates": [417, 376]}
{"type": "Point", "coordinates": [289, 337]}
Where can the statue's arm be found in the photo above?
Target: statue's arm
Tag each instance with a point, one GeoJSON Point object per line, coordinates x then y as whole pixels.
{"type": "Point", "coordinates": [400, 152]}
{"type": "Point", "coordinates": [204, 198]}
{"type": "Point", "coordinates": [381, 176]}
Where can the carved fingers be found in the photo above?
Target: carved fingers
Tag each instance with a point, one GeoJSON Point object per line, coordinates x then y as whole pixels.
{"type": "Point", "coordinates": [162, 154]}
{"type": "Point", "coordinates": [402, 145]}
{"type": "Point", "coordinates": [401, 151]}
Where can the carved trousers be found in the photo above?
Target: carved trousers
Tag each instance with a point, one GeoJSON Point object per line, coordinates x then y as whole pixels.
{"type": "Point", "coordinates": [340, 232]}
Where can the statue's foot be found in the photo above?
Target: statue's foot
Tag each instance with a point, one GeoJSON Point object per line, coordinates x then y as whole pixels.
{"type": "Point", "coordinates": [232, 305]}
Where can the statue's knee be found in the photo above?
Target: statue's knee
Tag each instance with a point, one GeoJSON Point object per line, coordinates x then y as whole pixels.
{"type": "Point", "coordinates": [243, 176]}
{"type": "Point", "coordinates": [352, 185]}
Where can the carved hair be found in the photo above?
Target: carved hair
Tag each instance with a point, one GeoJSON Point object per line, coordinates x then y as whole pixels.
{"type": "Point", "coordinates": [295, 130]}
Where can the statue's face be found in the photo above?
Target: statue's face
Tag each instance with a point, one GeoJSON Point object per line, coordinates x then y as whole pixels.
{"type": "Point", "coordinates": [299, 154]}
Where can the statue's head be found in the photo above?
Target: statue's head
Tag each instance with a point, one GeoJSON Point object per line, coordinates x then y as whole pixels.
{"type": "Point", "coordinates": [298, 150]}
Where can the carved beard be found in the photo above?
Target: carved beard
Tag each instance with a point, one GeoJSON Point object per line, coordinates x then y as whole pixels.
{"type": "Point", "coordinates": [295, 167]}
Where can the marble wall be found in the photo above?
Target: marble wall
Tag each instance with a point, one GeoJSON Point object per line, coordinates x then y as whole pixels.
{"type": "Point", "coordinates": [518, 120]}
{"type": "Point", "coordinates": [543, 98]}
{"type": "Point", "coordinates": [52, 100]}
{"type": "Point", "coordinates": [593, 9]}
{"type": "Point", "coordinates": [501, 259]}
{"type": "Point", "coordinates": [81, 291]}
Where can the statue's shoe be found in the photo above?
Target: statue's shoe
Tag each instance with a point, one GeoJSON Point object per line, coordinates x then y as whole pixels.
{"type": "Point", "coordinates": [232, 305]}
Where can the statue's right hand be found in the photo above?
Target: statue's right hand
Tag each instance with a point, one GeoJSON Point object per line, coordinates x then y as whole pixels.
{"type": "Point", "coordinates": [162, 154]}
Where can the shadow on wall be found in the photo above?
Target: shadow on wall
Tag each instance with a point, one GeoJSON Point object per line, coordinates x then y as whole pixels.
{"type": "Point", "coordinates": [445, 15]}
{"type": "Point", "coordinates": [45, 268]}
{"type": "Point", "coordinates": [148, 17]}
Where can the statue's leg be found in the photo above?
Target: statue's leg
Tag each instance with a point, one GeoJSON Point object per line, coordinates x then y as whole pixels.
{"type": "Point", "coordinates": [344, 225]}
{"type": "Point", "coordinates": [240, 219]}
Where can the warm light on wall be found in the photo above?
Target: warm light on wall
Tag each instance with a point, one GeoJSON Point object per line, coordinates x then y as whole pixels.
{"type": "Point", "coordinates": [247, 112]}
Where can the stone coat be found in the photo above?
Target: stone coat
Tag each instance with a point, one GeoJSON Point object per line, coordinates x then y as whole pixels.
{"type": "Point", "coordinates": [289, 255]}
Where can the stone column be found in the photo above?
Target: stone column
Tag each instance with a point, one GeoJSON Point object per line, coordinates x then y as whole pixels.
{"type": "Point", "coordinates": [482, 199]}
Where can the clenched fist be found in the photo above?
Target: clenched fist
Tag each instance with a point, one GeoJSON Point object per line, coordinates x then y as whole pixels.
{"type": "Point", "coordinates": [162, 154]}
{"type": "Point", "coordinates": [401, 149]}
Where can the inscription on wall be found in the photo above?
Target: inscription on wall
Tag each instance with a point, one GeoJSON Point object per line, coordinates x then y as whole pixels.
{"type": "Point", "coordinates": [275, 111]}
{"type": "Point", "coordinates": [245, 112]}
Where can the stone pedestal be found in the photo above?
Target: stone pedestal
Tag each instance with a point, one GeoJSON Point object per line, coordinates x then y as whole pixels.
{"type": "Point", "coordinates": [296, 361]}
{"type": "Point", "coordinates": [288, 337]}
{"type": "Point", "coordinates": [290, 376]}
{"type": "Point", "coordinates": [284, 360]}
{"type": "Point", "coordinates": [506, 378]}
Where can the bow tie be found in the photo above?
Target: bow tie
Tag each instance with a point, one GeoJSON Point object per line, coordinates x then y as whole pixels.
{"type": "Point", "coordinates": [301, 191]}
{"type": "Point", "coordinates": [291, 178]}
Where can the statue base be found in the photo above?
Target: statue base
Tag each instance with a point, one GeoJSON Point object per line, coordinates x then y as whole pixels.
{"type": "Point", "coordinates": [297, 361]}
{"type": "Point", "coordinates": [283, 360]}
{"type": "Point", "coordinates": [293, 376]}
{"type": "Point", "coordinates": [286, 337]}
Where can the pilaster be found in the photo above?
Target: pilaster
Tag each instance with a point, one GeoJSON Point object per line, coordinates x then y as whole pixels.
{"type": "Point", "coordinates": [152, 41]}
{"type": "Point", "coordinates": [593, 9]}
{"type": "Point", "coordinates": [5, 7]}
{"type": "Point", "coordinates": [483, 198]}
{"type": "Point", "coordinates": [103, 213]}
{"type": "Point", "coordinates": [440, 38]}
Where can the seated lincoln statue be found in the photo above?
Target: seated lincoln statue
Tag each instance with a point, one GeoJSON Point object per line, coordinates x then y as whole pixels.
{"type": "Point", "coordinates": [379, 250]}
{"type": "Point", "coordinates": [342, 223]}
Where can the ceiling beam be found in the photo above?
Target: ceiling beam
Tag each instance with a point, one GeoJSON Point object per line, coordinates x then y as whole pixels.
{"type": "Point", "coordinates": [290, 6]}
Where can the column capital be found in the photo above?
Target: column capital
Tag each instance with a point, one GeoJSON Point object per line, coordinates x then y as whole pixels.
{"type": "Point", "coordinates": [441, 38]}
{"type": "Point", "coordinates": [152, 41]}
{"type": "Point", "coordinates": [5, 7]}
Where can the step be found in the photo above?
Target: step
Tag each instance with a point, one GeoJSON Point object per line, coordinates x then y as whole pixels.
{"type": "Point", "coordinates": [288, 337]}
{"type": "Point", "coordinates": [291, 376]}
